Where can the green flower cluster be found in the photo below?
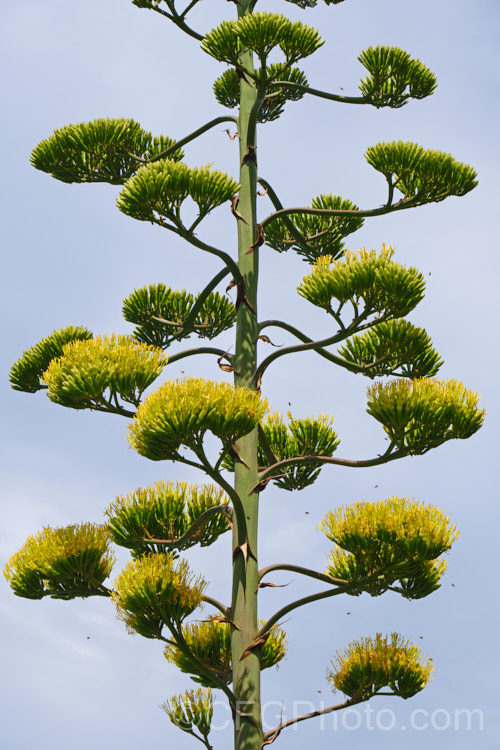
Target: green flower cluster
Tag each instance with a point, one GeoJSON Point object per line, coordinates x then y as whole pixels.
{"type": "Point", "coordinates": [104, 150]}
{"type": "Point", "coordinates": [322, 233]}
{"type": "Point", "coordinates": [392, 347]}
{"type": "Point", "coordinates": [421, 175]}
{"type": "Point", "coordinates": [160, 313]}
{"type": "Point", "coordinates": [312, 436]}
{"type": "Point", "coordinates": [159, 517]}
{"type": "Point", "coordinates": [26, 373]}
{"type": "Point", "coordinates": [159, 188]}
{"type": "Point", "coordinates": [394, 77]}
{"type": "Point", "coordinates": [261, 33]}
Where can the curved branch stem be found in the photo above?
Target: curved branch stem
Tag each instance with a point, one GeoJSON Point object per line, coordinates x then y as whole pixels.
{"type": "Point", "coordinates": [207, 467]}
{"type": "Point", "coordinates": [351, 366]}
{"type": "Point", "coordinates": [341, 589]}
{"type": "Point", "coordinates": [110, 409]}
{"type": "Point", "coordinates": [228, 261]}
{"type": "Point", "coordinates": [269, 737]}
{"type": "Point", "coordinates": [300, 603]}
{"type": "Point", "coordinates": [304, 460]}
{"type": "Point", "coordinates": [385, 209]}
{"type": "Point", "coordinates": [201, 738]}
{"type": "Point", "coordinates": [188, 138]}
{"type": "Point", "coordinates": [303, 571]}
{"type": "Point", "coordinates": [199, 350]}
{"type": "Point", "coordinates": [317, 346]}
{"type": "Point", "coordinates": [188, 8]}
{"type": "Point", "coordinates": [321, 94]}
{"type": "Point", "coordinates": [179, 19]}
{"type": "Point", "coordinates": [218, 605]}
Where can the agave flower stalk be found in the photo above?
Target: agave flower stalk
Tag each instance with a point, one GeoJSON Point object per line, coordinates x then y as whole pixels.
{"type": "Point", "coordinates": [393, 545]}
{"type": "Point", "coordinates": [246, 671]}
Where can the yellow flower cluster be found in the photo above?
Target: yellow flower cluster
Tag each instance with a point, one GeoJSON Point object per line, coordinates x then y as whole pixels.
{"type": "Point", "coordinates": [394, 540]}
{"type": "Point", "coordinates": [420, 529]}
{"type": "Point", "coordinates": [154, 591]}
{"type": "Point", "coordinates": [420, 414]}
{"type": "Point", "coordinates": [92, 372]}
{"type": "Point", "coordinates": [210, 642]}
{"type": "Point", "coordinates": [180, 412]}
{"type": "Point", "coordinates": [62, 563]}
{"type": "Point", "coordinates": [370, 664]}
{"type": "Point", "coordinates": [366, 278]}
{"type": "Point", "coordinates": [191, 710]}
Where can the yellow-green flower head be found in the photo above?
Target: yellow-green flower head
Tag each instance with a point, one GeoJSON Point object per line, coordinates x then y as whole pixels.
{"type": "Point", "coordinates": [155, 591]}
{"type": "Point", "coordinates": [370, 664]}
{"type": "Point", "coordinates": [191, 710]}
{"type": "Point", "coordinates": [412, 529]}
{"type": "Point", "coordinates": [420, 414]}
{"type": "Point", "coordinates": [180, 412]}
{"type": "Point", "coordinates": [367, 278]}
{"type": "Point", "coordinates": [91, 373]}
{"type": "Point", "coordinates": [391, 540]}
{"type": "Point", "coordinates": [166, 511]}
{"type": "Point", "coordinates": [62, 563]}
{"type": "Point", "coordinates": [210, 642]}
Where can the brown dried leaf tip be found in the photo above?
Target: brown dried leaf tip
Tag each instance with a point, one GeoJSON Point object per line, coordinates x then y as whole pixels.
{"type": "Point", "coordinates": [251, 155]}
{"type": "Point", "coordinates": [257, 643]}
{"type": "Point", "coordinates": [239, 71]}
{"type": "Point", "coordinates": [263, 585]}
{"type": "Point", "coordinates": [223, 366]}
{"type": "Point", "coordinates": [267, 340]}
{"type": "Point", "coordinates": [260, 239]}
{"type": "Point", "coordinates": [235, 213]}
{"type": "Point", "coordinates": [241, 297]}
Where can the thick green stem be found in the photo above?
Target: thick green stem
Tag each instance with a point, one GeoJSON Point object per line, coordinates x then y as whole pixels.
{"type": "Point", "coordinates": [246, 669]}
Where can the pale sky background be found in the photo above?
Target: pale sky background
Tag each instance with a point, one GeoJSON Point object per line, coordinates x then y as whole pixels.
{"type": "Point", "coordinates": [71, 675]}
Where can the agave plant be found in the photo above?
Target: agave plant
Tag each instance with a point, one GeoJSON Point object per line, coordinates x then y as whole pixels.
{"type": "Point", "coordinates": [226, 430]}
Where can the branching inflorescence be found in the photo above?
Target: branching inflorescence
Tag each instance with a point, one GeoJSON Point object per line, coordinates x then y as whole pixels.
{"type": "Point", "coordinates": [392, 545]}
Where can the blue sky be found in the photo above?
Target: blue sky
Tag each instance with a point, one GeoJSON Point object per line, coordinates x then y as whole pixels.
{"type": "Point", "coordinates": [71, 673]}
